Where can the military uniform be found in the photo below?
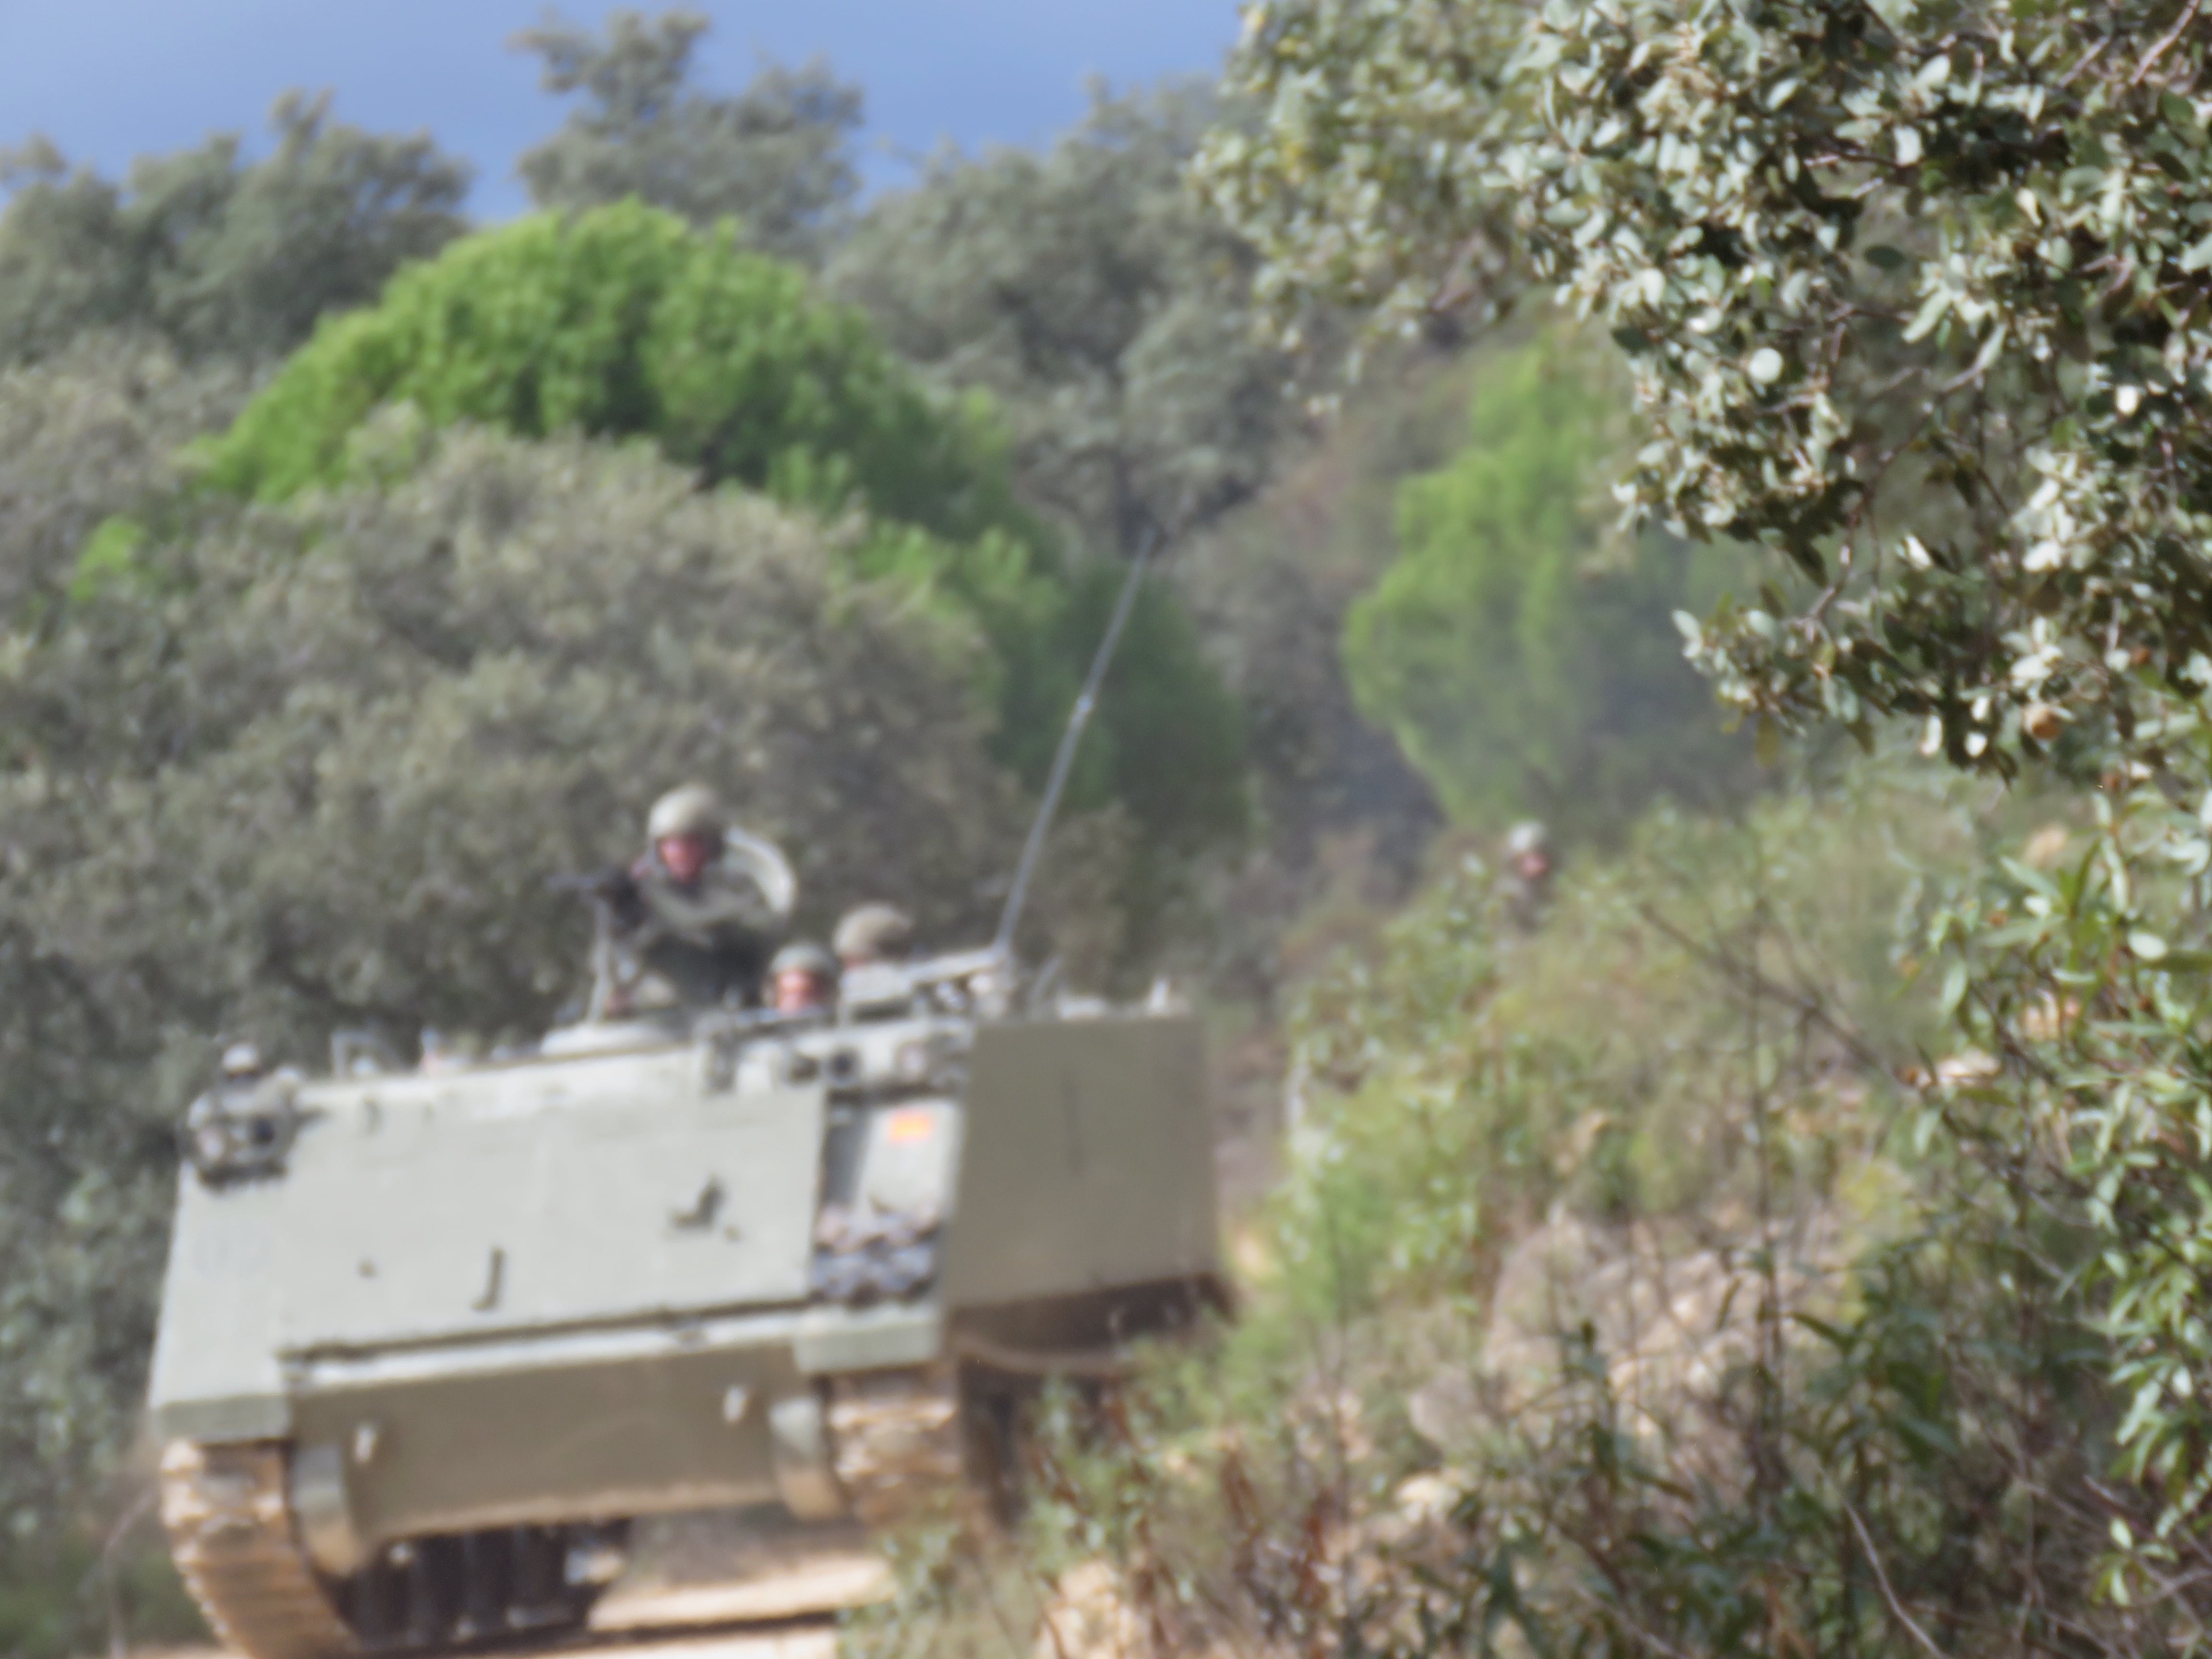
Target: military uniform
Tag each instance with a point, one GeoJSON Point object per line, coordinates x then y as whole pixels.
{"type": "Point", "coordinates": [670, 943]}
{"type": "Point", "coordinates": [708, 939]}
{"type": "Point", "coordinates": [873, 932]}
{"type": "Point", "coordinates": [1524, 885]}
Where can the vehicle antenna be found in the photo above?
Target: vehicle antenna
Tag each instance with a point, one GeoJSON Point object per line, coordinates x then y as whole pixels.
{"type": "Point", "coordinates": [1063, 761]}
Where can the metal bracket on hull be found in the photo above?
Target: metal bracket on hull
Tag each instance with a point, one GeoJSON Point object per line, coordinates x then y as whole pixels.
{"type": "Point", "coordinates": [324, 1510]}
{"type": "Point", "coordinates": [799, 1442]}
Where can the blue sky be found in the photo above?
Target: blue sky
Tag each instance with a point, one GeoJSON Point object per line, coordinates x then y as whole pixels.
{"type": "Point", "coordinates": [109, 79]}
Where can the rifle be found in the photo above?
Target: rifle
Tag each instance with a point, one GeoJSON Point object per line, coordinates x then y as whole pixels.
{"type": "Point", "coordinates": [611, 889]}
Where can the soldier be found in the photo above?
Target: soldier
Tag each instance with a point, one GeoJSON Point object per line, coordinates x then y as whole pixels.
{"type": "Point", "coordinates": [802, 979]}
{"type": "Point", "coordinates": [685, 926]}
{"type": "Point", "coordinates": [1525, 882]}
{"type": "Point", "coordinates": [873, 933]}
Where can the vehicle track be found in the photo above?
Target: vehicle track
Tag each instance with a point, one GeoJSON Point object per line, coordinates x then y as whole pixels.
{"type": "Point", "coordinates": [794, 1617]}
{"type": "Point", "coordinates": [811, 1637]}
{"type": "Point", "coordinates": [898, 1440]}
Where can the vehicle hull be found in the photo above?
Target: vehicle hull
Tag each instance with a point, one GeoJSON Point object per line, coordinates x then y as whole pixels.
{"type": "Point", "coordinates": [574, 1291]}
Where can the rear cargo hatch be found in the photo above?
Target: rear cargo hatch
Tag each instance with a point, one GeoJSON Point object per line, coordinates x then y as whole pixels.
{"type": "Point", "coordinates": [572, 1193]}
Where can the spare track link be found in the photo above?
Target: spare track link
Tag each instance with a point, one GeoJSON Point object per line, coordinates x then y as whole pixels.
{"type": "Point", "coordinates": [230, 1530]}
{"type": "Point", "coordinates": [897, 1442]}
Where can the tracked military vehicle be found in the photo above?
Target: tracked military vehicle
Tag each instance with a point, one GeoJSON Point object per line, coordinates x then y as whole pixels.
{"type": "Point", "coordinates": [430, 1338]}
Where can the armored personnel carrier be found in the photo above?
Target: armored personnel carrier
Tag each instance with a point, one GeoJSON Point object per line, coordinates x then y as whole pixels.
{"type": "Point", "coordinates": [432, 1337]}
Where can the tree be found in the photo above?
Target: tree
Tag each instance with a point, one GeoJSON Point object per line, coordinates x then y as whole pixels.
{"type": "Point", "coordinates": [1107, 318]}
{"type": "Point", "coordinates": [1105, 313]}
{"type": "Point", "coordinates": [217, 256]}
{"type": "Point", "coordinates": [1523, 669]}
{"type": "Point", "coordinates": [88, 442]}
{"type": "Point", "coordinates": [776, 158]}
{"type": "Point", "coordinates": [1876, 340]}
{"type": "Point", "coordinates": [334, 711]}
{"type": "Point", "coordinates": [1916, 297]}
{"type": "Point", "coordinates": [1342, 818]}
{"type": "Point", "coordinates": [622, 321]}
{"type": "Point", "coordinates": [85, 439]}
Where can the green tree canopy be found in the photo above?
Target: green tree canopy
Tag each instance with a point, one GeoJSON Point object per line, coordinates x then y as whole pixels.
{"type": "Point", "coordinates": [776, 157]}
{"type": "Point", "coordinates": [553, 630]}
{"type": "Point", "coordinates": [1523, 670]}
{"type": "Point", "coordinates": [622, 321]}
{"type": "Point", "coordinates": [214, 254]}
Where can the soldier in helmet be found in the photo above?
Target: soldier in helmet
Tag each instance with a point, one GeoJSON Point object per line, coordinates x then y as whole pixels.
{"type": "Point", "coordinates": [1525, 882]}
{"type": "Point", "coordinates": [872, 934]}
{"type": "Point", "coordinates": [687, 927]}
{"type": "Point", "coordinates": [802, 979]}
{"type": "Point", "coordinates": [871, 943]}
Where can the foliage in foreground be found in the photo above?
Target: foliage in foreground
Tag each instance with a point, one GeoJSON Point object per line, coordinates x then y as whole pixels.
{"type": "Point", "coordinates": [1630, 1295]}
{"type": "Point", "coordinates": [1917, 296]}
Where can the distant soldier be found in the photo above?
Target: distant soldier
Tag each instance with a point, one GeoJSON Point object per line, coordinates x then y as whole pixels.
{"type": "Point", "coordinates": [685, 926]}
{"type": "Point", "coordinates": [871, 943]}
{"type": "Point", "coordinates": [802, 979]}
{"type": "Point", "coordinates": [873, 933]}
{"type": "Point", "coordinates": [1525, 882]}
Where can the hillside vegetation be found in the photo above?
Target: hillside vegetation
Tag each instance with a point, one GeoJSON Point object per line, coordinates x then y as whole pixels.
{"type": "Point", "coordinates": [1634, 1285]}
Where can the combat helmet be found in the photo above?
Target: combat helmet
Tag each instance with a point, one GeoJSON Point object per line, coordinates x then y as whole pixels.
{"type": "Point", "coordinates": [803, 957]}
{"type": "Point", "coordinates": [1526, 837]}
{"type": "Point", "coordinates": [690, 809]}
{"type": "Point", "coordinates": [873, 932]}
{"type": "Point", "coordinates": [802, 979]}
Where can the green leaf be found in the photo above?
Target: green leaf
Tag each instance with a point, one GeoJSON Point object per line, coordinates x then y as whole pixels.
{"type": "Point", "coordinates": [1954, 988]}
{"type": "Point", "coordinates": [2185, 962]}
{"type": "Point", "coordinates": [1932, 312]}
